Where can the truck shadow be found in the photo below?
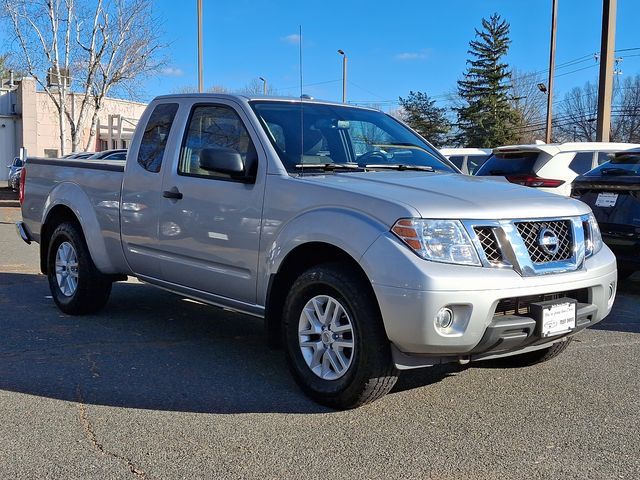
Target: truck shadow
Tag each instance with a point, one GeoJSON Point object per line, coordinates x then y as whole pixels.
{"type": "Point", "coordinates": [148, 349]}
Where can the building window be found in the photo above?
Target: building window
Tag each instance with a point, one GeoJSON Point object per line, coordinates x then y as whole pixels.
{"type": "Point", "coordinates": [123, 144]}
{"type": "Point", "coordinates": [51, 153]}
{"type": "Point", "coordinates": [114, 144]}
{"type": "Point", "coordinates": [103, 145]}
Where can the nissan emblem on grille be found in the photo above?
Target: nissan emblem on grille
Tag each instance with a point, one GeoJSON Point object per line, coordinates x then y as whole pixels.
{"type": "Point", "coordinates": [548, 241]}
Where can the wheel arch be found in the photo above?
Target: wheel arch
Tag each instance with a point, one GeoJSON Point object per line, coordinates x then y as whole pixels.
{"type": "Point", "coordinates": [57, 215]}
{"type": "Point", "coordinates": [297, 261]}
{"type": "Point", "coordinates": [68, 202]}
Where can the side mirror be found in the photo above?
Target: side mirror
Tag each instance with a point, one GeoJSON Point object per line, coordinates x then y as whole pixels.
{"type": "Point", "coordinates": [223, 160]}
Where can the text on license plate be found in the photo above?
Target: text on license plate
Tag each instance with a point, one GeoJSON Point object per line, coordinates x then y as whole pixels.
{"type": "Point", "coordinates": [558, 318]}
{"type": "Point", "coordinates": [606, 199]}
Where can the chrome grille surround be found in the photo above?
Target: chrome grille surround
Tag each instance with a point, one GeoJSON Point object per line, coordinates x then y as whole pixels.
{"type": "Point", "coordinates": [489, 244]}
{"type": "Point", "coordinates": [515, 248]}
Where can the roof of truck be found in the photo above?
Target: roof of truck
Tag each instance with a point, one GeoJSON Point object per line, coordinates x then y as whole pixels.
{"type": "Point", "coordinates": [266, 98]}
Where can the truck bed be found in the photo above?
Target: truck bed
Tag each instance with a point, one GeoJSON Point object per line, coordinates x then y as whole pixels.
{"type": "Point", "coordinates": [95, 184]}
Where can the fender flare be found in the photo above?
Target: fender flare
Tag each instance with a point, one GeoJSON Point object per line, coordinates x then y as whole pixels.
{"type": "Point", "coordinates": [351, 231]}
{"type": "Point", "coordinates": [71, 196]}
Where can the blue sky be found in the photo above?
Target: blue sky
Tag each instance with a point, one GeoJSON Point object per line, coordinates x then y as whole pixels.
{"type": "Point", "coordinates": [393, 47]}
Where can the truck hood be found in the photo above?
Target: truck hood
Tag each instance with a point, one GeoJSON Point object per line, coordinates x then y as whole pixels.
{"type": "Point", "coordinates": [454, 196]}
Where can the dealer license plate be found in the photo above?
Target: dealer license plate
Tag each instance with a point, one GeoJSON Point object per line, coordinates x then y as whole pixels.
{"type": "Point", "coordinates": [606, 199]}
{"type": "Point", "coordinates": [558, 318]}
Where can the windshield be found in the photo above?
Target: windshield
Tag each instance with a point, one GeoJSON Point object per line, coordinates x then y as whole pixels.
{"type": "Point", "coordinates": [346, 136]}
{"type": "Point", "coordinates": [621, 164]}
{"type": "Point", "coordinates": [509, 163]}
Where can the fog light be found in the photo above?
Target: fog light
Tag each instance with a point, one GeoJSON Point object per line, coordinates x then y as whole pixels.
{"type": "Point", "coordinates": [444, 318]}
{"type": "Point", "coordinates": [612, 290]}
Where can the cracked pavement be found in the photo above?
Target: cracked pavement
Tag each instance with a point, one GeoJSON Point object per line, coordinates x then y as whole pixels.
{"type": "Point", "coordinates": [157, 387]}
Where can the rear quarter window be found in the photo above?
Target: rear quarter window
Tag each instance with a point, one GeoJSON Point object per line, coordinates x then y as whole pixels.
{"type": "Point", "coordinates": [582, 162]}
{"type": "Point", "coordinates": [156, 134]}
{"type": "Point", "coordinates": [457, 160]}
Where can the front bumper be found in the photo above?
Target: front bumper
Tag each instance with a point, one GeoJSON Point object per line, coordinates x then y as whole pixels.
{"type": "Point", "coordinates": [410, 291]}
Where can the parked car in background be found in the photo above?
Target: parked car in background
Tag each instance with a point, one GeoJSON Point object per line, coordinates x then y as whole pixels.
{"type": "Point", "coordinates": [362, 262]}
{"type": "Point", "coordinates": [117, 154]}
{"type": "Point", "coordinates": [13, 181]}
{"type": "Point", "coordinates": [612, 190]}
{"type": "Point", "coordinates": [549, 166]}
{"type": "Point", "coordinates": [79, 155]}
{"type": "Point", "coordinates": [468, 160]}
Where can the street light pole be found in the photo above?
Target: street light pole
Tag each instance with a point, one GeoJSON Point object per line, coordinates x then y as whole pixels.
{"type": "Point", "coordinates": [264, 86]}
{"type": "Point", "coordinates": [607, 59]}
{"type": "Point", "coordinates": [344, 75]}
{"type": "Point", "coordinates": [200, 78]}
{"type": "Point", "coordinates": [552, 67]}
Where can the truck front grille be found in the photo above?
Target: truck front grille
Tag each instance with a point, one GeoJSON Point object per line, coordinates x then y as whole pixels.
{"type": "Point", "coordinates": [489, 244]}
{"type": "Point", "coordinates": [530, 233]}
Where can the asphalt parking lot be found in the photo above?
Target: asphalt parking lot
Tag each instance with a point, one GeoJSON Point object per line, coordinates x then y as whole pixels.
{"type": "Point", "coordinates": [156, 386]}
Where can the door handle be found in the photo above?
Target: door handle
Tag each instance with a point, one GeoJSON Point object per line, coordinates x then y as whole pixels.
{"type": "Point", "coordinates": [174, 194]}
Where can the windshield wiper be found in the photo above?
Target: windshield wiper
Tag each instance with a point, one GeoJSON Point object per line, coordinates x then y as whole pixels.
{"type": "Point", "coordinates": [400, 166]}
{"type": "Point", "coordinates": [329, 167]}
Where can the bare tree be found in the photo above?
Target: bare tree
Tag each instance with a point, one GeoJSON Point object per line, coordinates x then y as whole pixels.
{"type": "Point", "coordinates": [576, 117]}
{"type": "Point", "coordinates": [256, 87]}
{"type": "Point", "coordinates": [194, 89]}
{"type": "Point", "coordinates": [626, 112]}
{"type": "Point", "coordinates": [576, 113]}
{"type": "Point", "coordinates": [530, 103]}
{"type": "Point", "coordinates": [90, 47]}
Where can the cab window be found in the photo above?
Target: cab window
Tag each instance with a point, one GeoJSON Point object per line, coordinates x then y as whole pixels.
{"type": "Point", "coordinates": [214, 127]}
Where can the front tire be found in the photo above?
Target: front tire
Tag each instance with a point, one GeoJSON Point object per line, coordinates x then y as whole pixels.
{"type": "Point", "coordinates": [76, 285]}
{"type": "Point", "coordinates": [337, 349]}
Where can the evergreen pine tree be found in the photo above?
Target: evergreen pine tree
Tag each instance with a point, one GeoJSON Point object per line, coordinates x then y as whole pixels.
{"type": "Point", "coordinates": [421, 114]}
{"type": "Point", "coordinates": [488, 118]}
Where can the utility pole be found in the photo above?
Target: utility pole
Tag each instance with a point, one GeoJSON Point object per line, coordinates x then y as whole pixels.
{"type": "Point", "coordinates": [344, 75]}
{"type": "Point", "coordinates": [264, 86]}
{"type": "Point", "coordinates": [607, 59]}
{"type": "Point", "coordinates": [552, 67]}
{"type": "Point", "coordinates": [200, 79]}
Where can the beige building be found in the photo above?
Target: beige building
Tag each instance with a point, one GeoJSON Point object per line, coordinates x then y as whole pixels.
{"type": "Point", "coordinates": [29, 120]}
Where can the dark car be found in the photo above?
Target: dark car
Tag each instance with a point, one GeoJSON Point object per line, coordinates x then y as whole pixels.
{"type": "Point", "coordinates": [118, 154]}
{"type": "Point", "coordinates": [612, 190]}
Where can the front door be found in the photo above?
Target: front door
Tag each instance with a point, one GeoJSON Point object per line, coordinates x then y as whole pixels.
{"type": "Point", "coordinates": [209, 228]}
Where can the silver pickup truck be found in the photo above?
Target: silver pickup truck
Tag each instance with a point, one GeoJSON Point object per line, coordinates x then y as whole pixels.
{"type": "Point", "coordinates": [364, 249]}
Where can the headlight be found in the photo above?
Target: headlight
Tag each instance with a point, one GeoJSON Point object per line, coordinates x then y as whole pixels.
{"type": "Point", "coordinates": [443, 241]}
{"type": "Point", "coordinates": [593, 238]}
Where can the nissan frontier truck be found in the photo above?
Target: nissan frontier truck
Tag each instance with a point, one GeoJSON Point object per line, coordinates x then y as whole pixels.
{"type": "Point", "coordinates": [365, 251]}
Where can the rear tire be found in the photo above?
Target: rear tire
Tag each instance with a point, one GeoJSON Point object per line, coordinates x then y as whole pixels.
{"type": "Point", "coordinates": [532, 358]}
{"type": "Point", "coordinates": [76, 285]}
{"type": "Point", "coordinates": [336, 345]}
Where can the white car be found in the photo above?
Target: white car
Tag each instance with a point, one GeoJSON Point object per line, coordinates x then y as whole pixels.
{"type": "Point", "coordinates": [468, 160]}
{"type": "Point", "coordinates": [549, 166]}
